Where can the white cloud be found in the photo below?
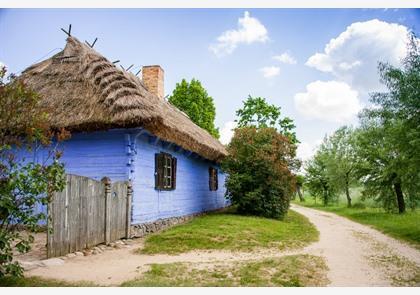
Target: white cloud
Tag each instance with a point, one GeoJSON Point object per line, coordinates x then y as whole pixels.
{"type": "Point", "coordinates": [306, 150]}
{"type": "Point", "coordinates": [331, 101]}
{"type": "Point", "coordinates": [270, 72]}
{"type": "Point", "coordinates": [249, 30]}
{"type": "Point", "coordinates": [285, 58]}
{"type": "Point", "coordinates": [226, 133]}
{"type": "Point", "coordinates": [353, 56]}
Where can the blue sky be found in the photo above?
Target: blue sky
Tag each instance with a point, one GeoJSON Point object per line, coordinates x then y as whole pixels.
{"type": "Point", "coordinates": [317, 64]}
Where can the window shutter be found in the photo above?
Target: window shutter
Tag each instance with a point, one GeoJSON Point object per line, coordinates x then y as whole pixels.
{"type": "Point", "coordinates": [210, 180]}
{"type": "Point", "coordinates": [157, 184]}
{"type": "Point", "coordinates": [159, 171]}
{"type": "Point", "coordinates": [216, 179]}
{"type": "Point", "coordinates": [174, 173]}
{"type": "Point", "coordinates": [161, 168]}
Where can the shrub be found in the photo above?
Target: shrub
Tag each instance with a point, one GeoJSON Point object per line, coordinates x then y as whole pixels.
{"type": "Point", "coordinates": [259, 179]}
{"type": "Point", "coordinates": [23, 185]}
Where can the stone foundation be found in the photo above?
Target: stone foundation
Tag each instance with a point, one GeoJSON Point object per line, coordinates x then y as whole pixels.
{"type": "Point", "coordinates": [143, 229]}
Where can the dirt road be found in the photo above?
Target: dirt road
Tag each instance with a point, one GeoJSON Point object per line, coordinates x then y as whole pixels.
{"type": "Point", "coordinates": [356, 255]}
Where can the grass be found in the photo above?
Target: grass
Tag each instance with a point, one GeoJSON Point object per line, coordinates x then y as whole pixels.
{"type": "Point", "coordinates": [405, 226]}
{"type": "Point", "coordinates": [229, 231]}
{"type": "Point", "coordinates": [39, 282]}
{"type": "Point", "coordinates": [287, 271]}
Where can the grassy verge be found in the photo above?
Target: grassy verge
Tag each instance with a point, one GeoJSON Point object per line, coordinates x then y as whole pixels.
{"type": "Point", "coordinates": [230, 231]}
{"type": "Point", "coordinates": [401, 226]}
{"type": "Point", "coordinates": [40, 282]}
{"type": "Point", "coordinates": [287, 271]}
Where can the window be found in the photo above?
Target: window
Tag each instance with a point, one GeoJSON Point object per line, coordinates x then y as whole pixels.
{"type": "Point", "coordinates": [213, 181]}
{"type": "Point", "coordinates": [165, 171]}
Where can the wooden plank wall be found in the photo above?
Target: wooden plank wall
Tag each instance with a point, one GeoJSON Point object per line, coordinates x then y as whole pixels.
{"type": "Point", "coordinates": [78, 215]}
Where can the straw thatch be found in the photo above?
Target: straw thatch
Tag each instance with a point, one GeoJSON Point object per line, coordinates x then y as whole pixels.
{"type": "Point", "coordinates": [86, 92]}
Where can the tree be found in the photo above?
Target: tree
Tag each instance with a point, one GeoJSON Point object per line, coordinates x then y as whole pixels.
{"type": "Point", "coordinates": [394, 124]}
{"type": "Point", "coordinates": [318, 176]}
{"type": "Point", "coordinates": [23, 184]}
{"type": "Point", "coordinates": [193, 99]}
{"type": "Point", "coordinates": [342, 160]}
{"type": "Point", "coordinates": [300, 180]}
{"type": "Point", "coordinates": [259, 164]}
{"type": "Point", "coordinates": [258, 113]}
{"type": "Point", "coordinates": [381, 169]}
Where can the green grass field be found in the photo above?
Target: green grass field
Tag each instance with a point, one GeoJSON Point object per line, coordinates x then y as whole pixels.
{"type": "Point", "coordinates": [401, 226]}
{"type": "Point", "coordinates": [229, 231]}
{"type": "Point", "coordinates": [39, 282]}
{"type": "Point", "coordinates": [287, 271]}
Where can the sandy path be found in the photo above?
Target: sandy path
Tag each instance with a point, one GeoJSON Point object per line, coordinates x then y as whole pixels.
{"type": "Point", "coordinates": [117, 266]}
{"type": "Point", "coordinates": [358, 255]}
{"type": "Point", "coordinates": [350, 250]}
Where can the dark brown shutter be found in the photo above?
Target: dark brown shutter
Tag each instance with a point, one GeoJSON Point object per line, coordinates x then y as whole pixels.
{"type": "Point", "coordinates": [216, 179]}
{"type": "Point", "coordinates": [210, 180]}
{"type": "Point", "coordinates": [174, 173]}
{"type": "Point", "coordinates": [159, 171]}
{"type": "Point", "coordinates": [157, 183]}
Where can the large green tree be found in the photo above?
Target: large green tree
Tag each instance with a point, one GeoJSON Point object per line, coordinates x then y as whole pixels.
{"type": "Point", "coordinates": [24, 185]}
{"type": "Point", "coordinates": [341, 160]}
{"type": "Point", "coordinates": [393, 126]}
{"type": "Point", "coordinates": [317, 175]}
{"type": "Point", "coordinates": [194, 100]}
{"type": "Point", "coordinates": [261, 160]}
{"type": "Point", "coordinates": [258, 113]}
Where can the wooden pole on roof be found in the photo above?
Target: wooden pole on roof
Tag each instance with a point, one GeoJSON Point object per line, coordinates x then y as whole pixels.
{"type": "Point", "coordinates": [68, 33]}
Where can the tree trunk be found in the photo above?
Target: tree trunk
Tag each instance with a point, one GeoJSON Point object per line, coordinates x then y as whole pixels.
{"type": "Point", "coordinates": [299, 191]}
{"type": "Point", "coordinates": [348, 193]}
{"type": "Point", "coordinates": [400, 197]}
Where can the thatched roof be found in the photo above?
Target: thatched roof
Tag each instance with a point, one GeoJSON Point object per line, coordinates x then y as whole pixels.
{"type": "Point", "coordinates": [86, 92]}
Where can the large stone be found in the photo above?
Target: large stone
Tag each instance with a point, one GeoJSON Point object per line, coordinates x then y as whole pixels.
{"type": "Point", "coordinates": [71, 255]}
{"type": "Point", "coordinates": [52, 262]}
{"type": "Point", "coordinates": [78, 253]}
{"type": "Point", "coordinates": [28, 265]}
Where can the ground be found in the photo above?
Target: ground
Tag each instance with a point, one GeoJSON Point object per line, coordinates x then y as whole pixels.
{"type": "Point", "coordinates": [401, 226]}
{"type": "Point", "coordinates": [346, 254]}
{"type": "Point", "coordinates": [358, 255]}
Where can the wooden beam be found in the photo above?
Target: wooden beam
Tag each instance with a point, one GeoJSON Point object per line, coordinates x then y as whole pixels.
{"type": "Point", "coordinates": [188, 153]}
{"type": "Point", "coordinates": [154, 140]}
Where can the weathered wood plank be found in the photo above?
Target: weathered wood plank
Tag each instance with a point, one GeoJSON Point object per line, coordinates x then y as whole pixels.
{"type": "Point", "coordinates": [86, 214]}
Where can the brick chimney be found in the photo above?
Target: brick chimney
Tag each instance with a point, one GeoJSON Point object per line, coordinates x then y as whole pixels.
{"type": "Point", "coordinates": [153, 80]}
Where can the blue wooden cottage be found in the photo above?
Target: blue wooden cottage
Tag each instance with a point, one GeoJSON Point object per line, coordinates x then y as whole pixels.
{"type": "Point", "coordinates": [123, 128]}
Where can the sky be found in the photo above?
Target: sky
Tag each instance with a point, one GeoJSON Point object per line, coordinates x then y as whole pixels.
{"type": "Point", "coordinates": [318, 65]}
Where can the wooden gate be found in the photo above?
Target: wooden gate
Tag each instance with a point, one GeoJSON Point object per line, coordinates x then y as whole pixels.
{"type": "Point", "coordinates": [87, 213]}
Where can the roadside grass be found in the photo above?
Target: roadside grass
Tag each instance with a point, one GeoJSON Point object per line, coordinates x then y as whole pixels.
{"type": "Point", "coordinates": [227, 230]}
{"type": "Point", "coordinates": [287, 271]}
{"type": "Point", "coordinates": [405, 226]}
{"type": "Point", "coordinates": [39, 282]}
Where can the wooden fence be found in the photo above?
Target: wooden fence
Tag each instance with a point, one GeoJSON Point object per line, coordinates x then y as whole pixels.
{"type": "Point", "coordinates": [87, 213]}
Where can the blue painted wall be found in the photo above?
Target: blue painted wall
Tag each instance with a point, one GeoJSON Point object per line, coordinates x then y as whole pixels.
{"type": "Point", "coordinates": [129, 154]}
{"type": "Point", "coordinates": [192, 194]}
